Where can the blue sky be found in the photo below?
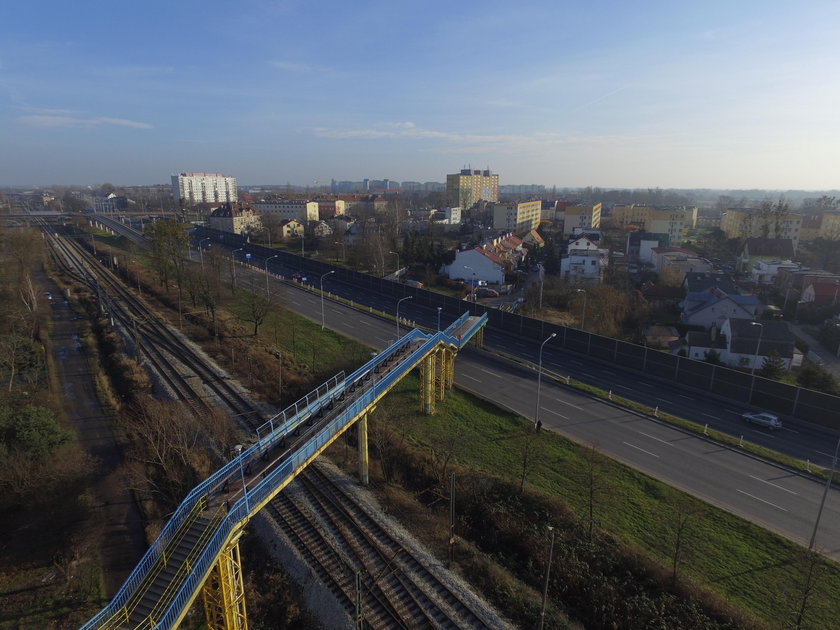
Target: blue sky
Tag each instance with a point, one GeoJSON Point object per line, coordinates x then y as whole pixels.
{"type": "Point", "coordinates": [735, 94]}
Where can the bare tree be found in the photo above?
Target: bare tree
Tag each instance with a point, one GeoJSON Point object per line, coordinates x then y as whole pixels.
{"type": "Point", "coordinates": [812, 567]}
{"type": "Point", "coordinates": [254, 308]}
{"type": "Point", "coordinates": [684, 512]}
{"type": "Point", "coordinates": [593, 479]}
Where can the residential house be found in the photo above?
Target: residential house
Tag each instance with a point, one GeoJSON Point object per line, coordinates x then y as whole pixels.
{"type": "Point", "coordinates": [764, 249]}
{"type": "Point", "coordinates": [534, 239]}
{"type": "Point", "coordinates": [695, 282]}
{"type": "Point", "coordinates": [476, 264]}
{"type": "Point", "coordinates": [822, 291]}
{"type": "Point", "coordinates": [678, 260]}
{"type": "Point", "coordinates": [584, 262]}
{"type": "Point", "coordinates": [235, 217]}
{"type": "Point", "coordinates": [712, 306]}
{"type": "Point", "coordinates": [736, 342]}
{"type": "Point", "coordinates": [742, 343]}
{"type": "Point", "coordinates": [291, 228]}
{"type": "Point", "coordinates": [764, 272]}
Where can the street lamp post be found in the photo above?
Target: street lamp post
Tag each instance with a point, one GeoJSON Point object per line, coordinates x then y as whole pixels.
{"type": "Point", "coordinates": [201, 252]}
{"type": "Point", "coordinates": [539, 379]}
{"type": "Point", "coordinates": [547, 574]}
{"type": "Point", "coordinates": [408, 297]}
{"type": "Point", "coordinates": [233, 263]}
{"type": "Point", "coordinates": [755, 358]}
{"type": "Point", "coordinates": [266, 272]}
{"type": "Point", "coordinates": [473, 281]}
{"type": "Point", "coordinates": [323, 320]}
{"type": "Point", "coordinates": [583, 314]}
{"type": "Point", "coordinates": [398, 263]}
{"type": "Point", "coordinates": [439, 309]}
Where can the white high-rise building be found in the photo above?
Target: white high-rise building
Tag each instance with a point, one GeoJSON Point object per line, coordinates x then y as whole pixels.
{"type": "Point", "coordinates": [204, 187]}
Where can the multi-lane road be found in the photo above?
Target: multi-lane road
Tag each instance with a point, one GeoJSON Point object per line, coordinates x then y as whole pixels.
{"type": "Point", "coordinates": [764, 493]}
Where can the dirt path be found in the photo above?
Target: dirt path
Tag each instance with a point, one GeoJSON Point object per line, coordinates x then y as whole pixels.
{"type": "Point", "coordinates": [115, 517]}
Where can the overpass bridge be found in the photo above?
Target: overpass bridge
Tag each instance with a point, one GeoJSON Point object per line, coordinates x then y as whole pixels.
{"type": "Point", "coordinates": [198, 552]}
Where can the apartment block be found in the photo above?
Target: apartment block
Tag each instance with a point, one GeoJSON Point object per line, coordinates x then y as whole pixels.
{"type": "Point", "coordinates": [204, 188]}
{"type": "Point", "coordinates": [673, 221]}
{"type": "Point", "coordinates": [754, 223]}
{"type": "Point", "coordinates": [468, 187]}
{"type": "Point", "coordinates": [582, 216]}
{"type": "Point", "coordinates": [517, 217]}
{"type": "Point", "coordinates": [299, 209]}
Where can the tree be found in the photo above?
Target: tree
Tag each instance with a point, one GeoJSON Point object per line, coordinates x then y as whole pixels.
{"type": "Point", "coordinates": [593, 479]}
{"type": "Point", "coordinates": [32, 430]}
{"type": "Point", "coordinates": [253, 308]}
{"type": "Point", "coordinates": [818, 378]}
{"type": "Point", "coordinates": [170, 245]}
{"type": "Point", "coordinates": [713, 357]}
{"type": "Point", "coordinates": [773, 367]}
{"type": "Point", "coordinates": [683, 512]}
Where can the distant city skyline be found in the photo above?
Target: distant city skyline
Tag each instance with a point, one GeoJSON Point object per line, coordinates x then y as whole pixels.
{"type": "Point", "coordinates": [717, 95]}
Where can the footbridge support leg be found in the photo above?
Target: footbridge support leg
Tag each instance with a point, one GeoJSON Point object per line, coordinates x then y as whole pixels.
{"type": "Point", "coordinates": [364, 461]}
{"type": "Point", "coordinates": [224, 592]}
{"type": "Point", "coordinates": [428, 369]}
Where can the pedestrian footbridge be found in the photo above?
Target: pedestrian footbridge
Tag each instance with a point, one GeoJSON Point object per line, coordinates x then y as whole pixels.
{"type": "Point", "coordinates": [198, 552]}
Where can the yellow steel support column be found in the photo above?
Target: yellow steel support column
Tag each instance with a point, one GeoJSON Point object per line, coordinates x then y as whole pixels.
{"type": "Point", "coordinates": [449, 368]}
{"type": "Point", "coordinates": [224, 593]}
{"type": "Point", "coordinates": [479, 337]}
{"type": "Point", "coordinates": [427, 384]}
{"type": "Point", "coordinates": [440, 373]}
{"type": "Point", "coordinates": [364, 461]}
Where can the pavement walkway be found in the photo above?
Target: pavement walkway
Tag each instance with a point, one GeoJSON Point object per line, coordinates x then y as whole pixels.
{"type": "Point", "coordinates": [115, 515]}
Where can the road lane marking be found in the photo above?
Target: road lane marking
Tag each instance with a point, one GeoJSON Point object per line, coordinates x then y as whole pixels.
{"type": "Point", "coordinates": [826, 454]}
{"type": "Point", "coordinates": [710, 416]}
{"type": "Point", "coordinates": [686, 397]}
{"type": "Point", "coordinates": [752, 496]}
{"type": "Point", "coordinates": [641, 449]}
{"type": "Point", "coordinates": [646, 384]}
{"type": "Point", "coordinates": [737, 413]}
{"type": "Point", "coordinates": [770, 483]}
{"type": "Point", "coordinates": [608, 372]}
{"type": "Point", "coordinates": [653, 437]}
{"type": "Point", "coordinates": [624, 387]}
{"type": "Point", "coordinates": [556, 413]}
{"type": "Point", "coordinates": [472, 378]}
{"type": "Point", "coordinates": [569, 404]}
{"type": "Point", "coordinates": [587, 375]}
{"type": "Point", "coordinates": [670, 402]}
{"type": "Point", "coordinates": [490, 373]}
{"type": "Point", "coordinates": [366, 323]}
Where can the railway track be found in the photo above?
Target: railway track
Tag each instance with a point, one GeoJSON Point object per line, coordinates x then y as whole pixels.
{"type": "Point", "coordinates": [377, 578]}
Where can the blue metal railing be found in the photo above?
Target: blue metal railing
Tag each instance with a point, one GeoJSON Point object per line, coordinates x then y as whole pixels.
{"type": "Point", "coordinates": [276, 429]}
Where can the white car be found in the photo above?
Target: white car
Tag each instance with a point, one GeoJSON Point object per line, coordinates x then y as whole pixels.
{"type": "Point", "coordinates": [764, 419]}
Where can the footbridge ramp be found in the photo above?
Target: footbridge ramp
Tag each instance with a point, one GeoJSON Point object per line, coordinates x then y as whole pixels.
{"type": "Point", "coordinates": [197, 551]}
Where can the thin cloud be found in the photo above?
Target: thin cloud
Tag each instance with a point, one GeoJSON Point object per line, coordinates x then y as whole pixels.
{"type": "Point", "coordinates": [292, 66]}
{"type": "Point", "coordinates": [75, 122]}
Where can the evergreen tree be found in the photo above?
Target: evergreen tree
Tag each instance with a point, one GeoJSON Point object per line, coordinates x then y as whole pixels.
{"type": "Point", "coordinates": [773, 367]}
{"type": "Point", "coordinates": [817, 378]}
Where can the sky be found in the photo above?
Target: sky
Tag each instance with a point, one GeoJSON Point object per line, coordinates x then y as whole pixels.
{"type": "Point", "coordinates": [732, 95]}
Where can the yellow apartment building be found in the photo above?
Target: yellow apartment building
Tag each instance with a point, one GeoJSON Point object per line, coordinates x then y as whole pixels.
{"type": "Point", "coordinates": [470, 186]}
{"type": "Point", "coordinates": [675, 222]}
{"type": "Point", "coordinates": [582, 216]}
{"type": "Point", "coordinates": [752, 223]}
{"type": "Point", "coordinates": [517, 217]}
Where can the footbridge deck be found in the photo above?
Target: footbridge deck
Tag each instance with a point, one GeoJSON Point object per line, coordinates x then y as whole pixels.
{"type": "Point", "coordinates": [197, 550]}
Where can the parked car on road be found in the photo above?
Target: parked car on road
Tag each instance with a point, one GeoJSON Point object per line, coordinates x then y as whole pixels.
{"type": "Point", "coordinates": [763, 419]}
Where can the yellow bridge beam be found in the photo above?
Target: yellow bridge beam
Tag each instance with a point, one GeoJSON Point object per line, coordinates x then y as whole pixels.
{"type": "Point", "coordinates": [364, 461]}
{"type": "Point", "coordinates": [224, 592]}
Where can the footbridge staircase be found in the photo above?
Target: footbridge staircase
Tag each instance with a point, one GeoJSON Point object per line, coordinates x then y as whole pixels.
{"type": "Point", "coordinates": [197, 551]}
